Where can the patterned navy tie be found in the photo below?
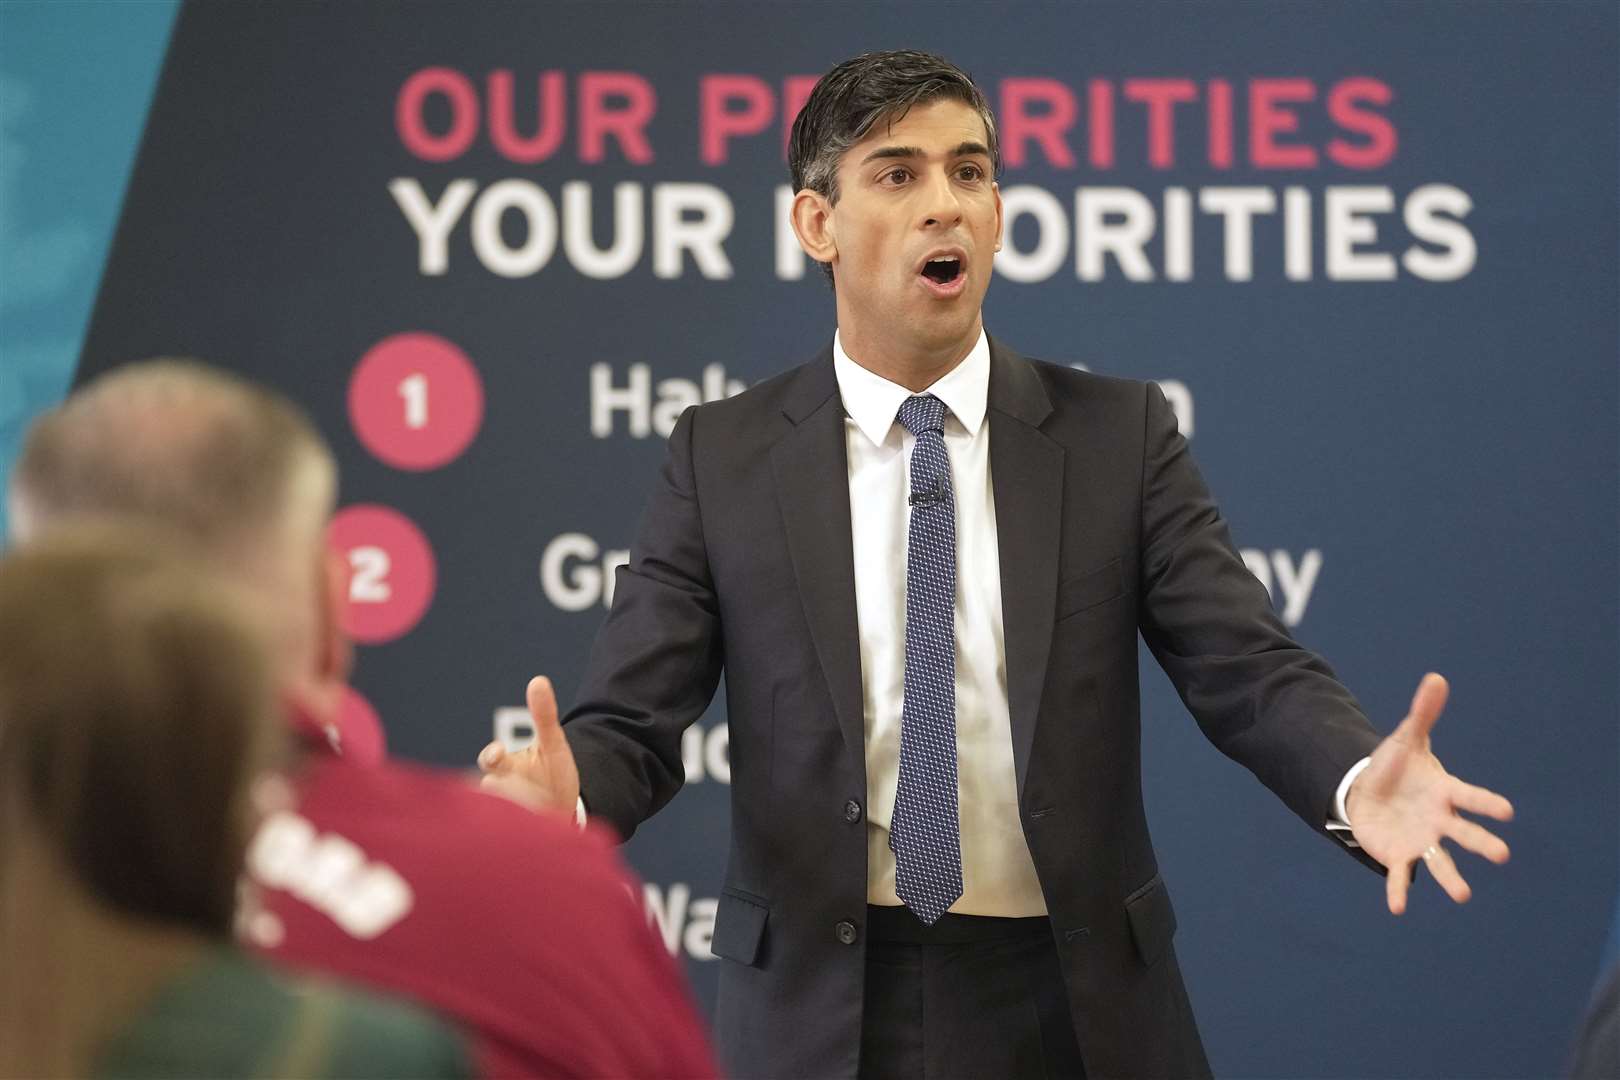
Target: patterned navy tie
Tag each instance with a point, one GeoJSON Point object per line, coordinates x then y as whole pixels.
{"type": "Point", "coordinates": [925, 834]}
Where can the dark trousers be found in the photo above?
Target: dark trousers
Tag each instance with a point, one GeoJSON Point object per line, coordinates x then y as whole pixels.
{"type": "Point", "coordinates": [967, 997]}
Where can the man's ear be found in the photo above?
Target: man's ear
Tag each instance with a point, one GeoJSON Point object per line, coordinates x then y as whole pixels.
{"type": "Point", "coordinates": [811, 215]}
{"type": "Point", "coordinates": [336, 656]}
{"type": "Point", "coordinates": [20, 522]}
{"type": "Point", "coordinates": [315, 687]}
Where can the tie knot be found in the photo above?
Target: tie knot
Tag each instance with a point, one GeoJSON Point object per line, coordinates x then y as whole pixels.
{"type": "Point", "coordinates": [922, 413]}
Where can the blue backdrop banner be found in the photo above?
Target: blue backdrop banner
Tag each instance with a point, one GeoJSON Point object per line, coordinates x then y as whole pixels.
{"type": "Point", "coordinates": [1369, 251]}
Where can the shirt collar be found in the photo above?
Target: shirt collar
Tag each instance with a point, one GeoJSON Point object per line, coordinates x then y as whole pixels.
{"type": "Point", "coordinates": [311, 733]}
{"type": "Point", "coordinates": [872, 401]}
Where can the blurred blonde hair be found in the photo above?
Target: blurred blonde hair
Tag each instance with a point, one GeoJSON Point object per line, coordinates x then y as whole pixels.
{"type": "Point", "coordinates": [137, 705]}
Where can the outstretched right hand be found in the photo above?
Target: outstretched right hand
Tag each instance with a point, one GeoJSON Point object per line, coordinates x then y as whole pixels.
{"type": "Point", "coordinates": [542, 775]}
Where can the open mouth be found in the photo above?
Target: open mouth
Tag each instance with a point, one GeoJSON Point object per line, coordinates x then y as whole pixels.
{"type": "Point", "coordinates": [942, 269]}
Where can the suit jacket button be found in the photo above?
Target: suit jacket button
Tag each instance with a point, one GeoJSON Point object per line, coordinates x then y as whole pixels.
{"type": "Point", "coordinates": [846, 932]}
{"type": "Point", "coordinates": [852, 811]}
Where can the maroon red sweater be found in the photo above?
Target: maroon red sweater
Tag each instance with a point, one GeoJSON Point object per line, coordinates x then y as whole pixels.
{"type": "Point", "coordinates": [519, 927]}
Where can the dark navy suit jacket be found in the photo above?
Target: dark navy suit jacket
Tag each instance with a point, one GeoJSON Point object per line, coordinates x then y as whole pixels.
{"type": "Point", "coordinates": [743, 567]}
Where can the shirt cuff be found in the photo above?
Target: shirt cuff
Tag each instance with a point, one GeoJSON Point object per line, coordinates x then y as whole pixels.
{"type": "Point", "coordinates": [1340, 821]}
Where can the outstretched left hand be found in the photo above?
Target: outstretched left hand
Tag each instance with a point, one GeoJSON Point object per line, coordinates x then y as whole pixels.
{"type": "Point", "coordinates": [1404, 803]}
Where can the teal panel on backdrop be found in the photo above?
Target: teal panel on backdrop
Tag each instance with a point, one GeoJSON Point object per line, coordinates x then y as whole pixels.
{"type": "Point", "coordinates": [76, 80]}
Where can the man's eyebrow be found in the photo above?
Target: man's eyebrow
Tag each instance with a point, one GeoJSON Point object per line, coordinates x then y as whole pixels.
{"type": "Point", "coordinates": [966, 149]}
{"type": "Point", "coordinates": [892, 152]}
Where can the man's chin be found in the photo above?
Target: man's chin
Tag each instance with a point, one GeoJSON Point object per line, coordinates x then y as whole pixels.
{"type": "Point", "coordinates": [944, 321]}
{"type": "Point", "coordinates": [934, 335]}
{"type": "Point", "coordinates": [922, 323]}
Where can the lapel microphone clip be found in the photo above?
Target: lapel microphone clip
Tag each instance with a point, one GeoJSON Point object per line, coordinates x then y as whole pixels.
{"type": "Point", "coordinates": [929, 497]}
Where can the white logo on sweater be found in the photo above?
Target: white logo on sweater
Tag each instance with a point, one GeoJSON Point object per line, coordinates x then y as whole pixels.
{"type": "Point", "coordinates": [329, 873]}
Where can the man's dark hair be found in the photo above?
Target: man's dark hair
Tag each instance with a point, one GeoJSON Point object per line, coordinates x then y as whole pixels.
{"type": "Point", "coordinates": [873, 88]}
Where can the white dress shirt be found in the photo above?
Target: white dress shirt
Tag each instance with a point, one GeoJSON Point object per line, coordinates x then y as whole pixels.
{"type": "Point", "coordinates": [998, 874]}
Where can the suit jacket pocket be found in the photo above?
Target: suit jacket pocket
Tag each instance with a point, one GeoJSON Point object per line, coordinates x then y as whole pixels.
{"type": "Point", "coordinates": [1086, 591]}
{"type": "Point", "coordinates": [1153, 920]}
{"type": "Point", "coordinates": [739, 925]}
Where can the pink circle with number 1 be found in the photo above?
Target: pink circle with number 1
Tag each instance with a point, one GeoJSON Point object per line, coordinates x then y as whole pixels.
{"type": "Point", "coordinates": [392, 572]}
{"type": "Point", "coordinates": [416, 401]}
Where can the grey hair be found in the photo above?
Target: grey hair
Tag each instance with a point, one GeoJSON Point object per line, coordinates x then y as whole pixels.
{"type": "Point", "coordinates": [173, 440]}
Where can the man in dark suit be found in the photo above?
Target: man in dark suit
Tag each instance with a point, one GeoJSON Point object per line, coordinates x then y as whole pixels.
{"type": "Point", "coordinates": [921, 562]}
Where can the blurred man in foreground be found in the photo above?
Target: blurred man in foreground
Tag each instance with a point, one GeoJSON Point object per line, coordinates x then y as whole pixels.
{"type": "Point", "coordinates": [394, 875]}
{"type": "Point", "coordinates": [137, 707]}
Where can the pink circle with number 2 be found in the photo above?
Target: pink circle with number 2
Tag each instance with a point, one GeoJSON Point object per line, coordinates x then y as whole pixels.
{"type": "Point", "coordinates": [416, 401]}
{"type": "Point", "coordinates": [392, 572]}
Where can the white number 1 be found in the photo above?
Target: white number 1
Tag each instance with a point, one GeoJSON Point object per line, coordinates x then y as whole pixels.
{"type": "Point", "coordinates": [413, 389]}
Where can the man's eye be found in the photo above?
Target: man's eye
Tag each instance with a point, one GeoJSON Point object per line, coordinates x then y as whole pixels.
{"type": "Point", "coordinates": [894, 176]}
{"type": "Point", "coordinates": [970, 172]}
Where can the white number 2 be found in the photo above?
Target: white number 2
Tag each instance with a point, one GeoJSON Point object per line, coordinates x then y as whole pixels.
{"type": "Point", "coordinates": [369, 585]}
{"type": "Point", "coordinates": [414, 389]}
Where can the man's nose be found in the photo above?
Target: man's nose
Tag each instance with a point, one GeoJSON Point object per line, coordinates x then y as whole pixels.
{"type": "Point", "coordinates": [940, 206]}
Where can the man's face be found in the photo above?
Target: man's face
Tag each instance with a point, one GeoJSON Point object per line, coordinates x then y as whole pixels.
{"type": "Point", "coordinates": [916, 228]}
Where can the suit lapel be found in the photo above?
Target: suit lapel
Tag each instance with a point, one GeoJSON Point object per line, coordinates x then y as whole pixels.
{"type": "Point", "coordinates": [1026, 472]}
{"type": "Point", "coordinates": [810, 464]}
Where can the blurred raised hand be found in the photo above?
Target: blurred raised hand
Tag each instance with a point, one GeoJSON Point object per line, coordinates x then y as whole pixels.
{"type": "Point", "coordinates": [542, 775]}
